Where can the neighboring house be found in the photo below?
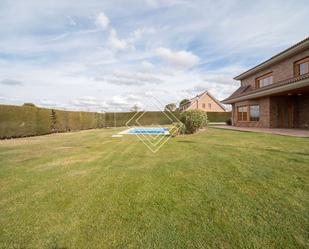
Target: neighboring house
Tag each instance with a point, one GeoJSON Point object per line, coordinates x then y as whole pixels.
{"type": "Point", "coordinates": [205, 102]}
{"type": "Point", "coordinates": [275, 93]}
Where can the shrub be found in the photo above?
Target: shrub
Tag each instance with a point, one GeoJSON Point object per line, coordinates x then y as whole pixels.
{"type": "Point", "coordinates": [229, 121]}
{"type": "Point", "coordinates": [177, 129]}
{"type": "Point", "coordinates": [193, 120]}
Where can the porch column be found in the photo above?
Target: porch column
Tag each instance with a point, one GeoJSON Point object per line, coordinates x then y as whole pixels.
{"type": "Point", "coordinates": [233, 107]}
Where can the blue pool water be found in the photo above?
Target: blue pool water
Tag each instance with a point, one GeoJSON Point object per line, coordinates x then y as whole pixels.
{"type": "Point", "coordinates": [149, 130]}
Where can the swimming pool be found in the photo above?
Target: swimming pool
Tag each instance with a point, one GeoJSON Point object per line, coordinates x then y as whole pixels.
{"type": "Point", "coordinates": [147, 131]}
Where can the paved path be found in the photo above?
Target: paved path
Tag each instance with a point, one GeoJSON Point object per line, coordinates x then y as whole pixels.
{"type": "Point", "coordinates": [286, 132]}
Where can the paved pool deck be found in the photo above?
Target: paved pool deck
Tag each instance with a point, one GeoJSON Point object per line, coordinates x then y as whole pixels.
{"type": "Point", "coordinates": [278, 131]}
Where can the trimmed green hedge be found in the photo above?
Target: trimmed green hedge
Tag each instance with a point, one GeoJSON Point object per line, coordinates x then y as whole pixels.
{"type": "Point", "coordinates": [20, 121]}
{"type": "Point", "coordinates": [23, 121]}
{"type": "Point", "coordinates": [218, 116]}
{"type": "Point", "coordinates": [119, 119]}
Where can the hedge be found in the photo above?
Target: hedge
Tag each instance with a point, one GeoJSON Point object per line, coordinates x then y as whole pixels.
{"type": "Point", "coordinates": [23, 121]}
{"type": "Point", "coordinates": [119, 119]}
{"type": "Point", "coordinates": [218, 116]}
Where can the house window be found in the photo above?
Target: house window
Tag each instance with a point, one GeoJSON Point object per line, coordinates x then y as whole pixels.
{"type": "Point", "coordinates": [242, 113]}
{"type": "Point", "coordinates": [304, 68]}
{"type": "Point", "coordinates": [301, 67]}
{"type": "Point", "coordinates": [204, 106]}
{"type": "Point", "coordinates": [209, 105]}
{"type": "Point", "coordinates": [254, 113]}
{"type": "Point", "coordinates": [264, 80]}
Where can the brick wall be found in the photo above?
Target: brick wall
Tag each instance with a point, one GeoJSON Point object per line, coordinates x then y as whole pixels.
{"type": "Point", "coordinates": [303, 111]}
{"type": "Point", "coordinates": [269, 106]}
{"type": "Point", "coordinates": [281, 71]}
{"type": "Point", "coordinates": [264, 121]}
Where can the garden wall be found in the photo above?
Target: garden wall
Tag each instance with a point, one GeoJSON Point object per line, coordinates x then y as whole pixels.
{"type": "Point", "coordinates": [23, 121]}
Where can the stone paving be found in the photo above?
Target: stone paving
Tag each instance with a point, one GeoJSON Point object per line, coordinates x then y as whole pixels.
{"type": "Point", "coordinates": [278, 131]}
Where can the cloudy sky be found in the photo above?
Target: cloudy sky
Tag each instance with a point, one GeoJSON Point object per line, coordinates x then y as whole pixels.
{"type": "Point", "coordinates": [112, 54]}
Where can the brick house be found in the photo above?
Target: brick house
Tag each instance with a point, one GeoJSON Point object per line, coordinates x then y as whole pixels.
{"type": "Point", "coordinates": [205, 102]}
{"type": "Point", "coordinates": [275, 93]}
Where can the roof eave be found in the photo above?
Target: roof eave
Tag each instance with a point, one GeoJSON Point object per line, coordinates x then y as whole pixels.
{"type": "Point", "coordinates": [275, 59]}
{"type": "Point", "coordinates": [291, 86]}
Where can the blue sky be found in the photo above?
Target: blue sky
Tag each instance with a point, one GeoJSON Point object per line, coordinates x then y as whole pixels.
{"type": "Point", "coordinates": [111, 55]}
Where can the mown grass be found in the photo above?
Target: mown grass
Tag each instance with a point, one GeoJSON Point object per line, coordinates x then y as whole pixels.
{"type": "Point", "coordinates": [215, 189]}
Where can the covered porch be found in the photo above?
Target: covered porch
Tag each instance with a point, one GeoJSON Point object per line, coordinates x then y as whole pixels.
{"type": "Point", "coordinates": [290, 109]}
{"type": "Point", "coordinates": [278, 131]}
{"type": "Point", "coordinates": [280, 105]}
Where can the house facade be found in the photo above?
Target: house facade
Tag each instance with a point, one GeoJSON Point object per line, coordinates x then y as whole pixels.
{"type": "Point", "coordinates": [275, 93]}
{"type": "Point", "coordinates": [205, 102]}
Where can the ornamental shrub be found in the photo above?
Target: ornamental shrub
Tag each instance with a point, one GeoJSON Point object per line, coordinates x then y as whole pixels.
{"type": "Point", "coordinates": [229, 121]}
{"type": "Point", "coordinates": [193, 120]}
{"type": "Point", "coordinates": [176, 129]}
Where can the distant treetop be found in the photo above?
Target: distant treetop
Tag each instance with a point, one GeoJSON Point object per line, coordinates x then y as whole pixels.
{"type": "Point", "coordinates": [184, 101]}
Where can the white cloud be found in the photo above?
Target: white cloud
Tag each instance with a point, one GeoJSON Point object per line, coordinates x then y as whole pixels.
{"type": "Point", "coordinates": [159, 3]}
{"type": "Point", "coordinates": [59, 56]}
{"type": "Point", "coordinates": [102, 21]}
{"type": "Point", "coordinates": [221, 79]}
{"type": "Point", "coordinates": [72, 22]}
{"type": "Point", "coordinates": [146, 66]}
{"type": "Point", "coordinates": [115, 42]}
{"type": "Point", "coordinates": [112, 103]}
{"type": "Point", "coordinates": [152, 3]}
{"type": "Point", "coordinates": [118, 101]}
{"type": "Point", "coordinates": [180, 59]}
{"type": "Point", "coordinates": [85, 101]}
{"type": "Point", "coordinates": [219, 85]}
{"type": "Point", "coordinates": [127, 78]}
{"type": "Point", "coordinates": [11, 82]}
{"type": "Point", "coordinates": [133, 97]}
{"type": "Point", "coordinates": [140, 33]}
{"type": "Point", "coordinates": [50, 104]}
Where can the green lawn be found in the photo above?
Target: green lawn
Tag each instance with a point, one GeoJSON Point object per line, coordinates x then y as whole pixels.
{"type": "Point", "coordinates": [215, 189]}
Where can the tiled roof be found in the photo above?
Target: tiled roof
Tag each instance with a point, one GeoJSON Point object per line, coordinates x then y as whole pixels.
{"type": "Point", "coordinates": [274, 57]}
{"type": "Point", "coordinates": [237, 94]}
{"type": "Point", "coordinates": [239, 91]}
